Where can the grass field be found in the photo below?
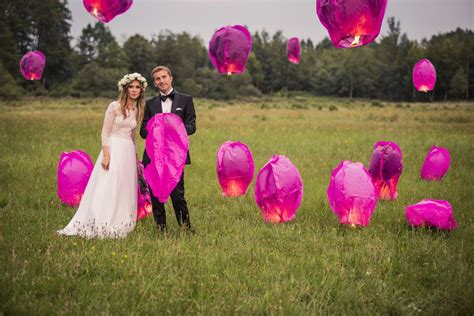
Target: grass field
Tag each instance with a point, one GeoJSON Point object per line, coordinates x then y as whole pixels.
{"type": "Point", "coordinates": [235, 263]}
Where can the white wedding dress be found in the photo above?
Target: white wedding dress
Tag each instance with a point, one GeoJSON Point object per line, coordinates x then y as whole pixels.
{"type": "Point", "coordinates": [108, 208]}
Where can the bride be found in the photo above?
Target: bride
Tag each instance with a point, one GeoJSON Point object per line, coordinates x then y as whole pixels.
{"type": "Point", "coordinates": [109, 205]}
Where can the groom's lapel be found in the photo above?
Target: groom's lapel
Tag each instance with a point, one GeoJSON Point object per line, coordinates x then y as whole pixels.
{"type": "Point", "coordinates": [158, 107]}
{"type": "Point", "coordinates": [175, 102]}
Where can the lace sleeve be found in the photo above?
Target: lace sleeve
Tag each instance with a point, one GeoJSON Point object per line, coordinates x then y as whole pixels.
{"type": "Point", "coordinates": [108, 124]}
{"type": "Point", "coordinates": [133, 135]}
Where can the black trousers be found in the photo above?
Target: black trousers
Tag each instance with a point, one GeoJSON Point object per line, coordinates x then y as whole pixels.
{"type": "Point", "coordinates": [179, 204]}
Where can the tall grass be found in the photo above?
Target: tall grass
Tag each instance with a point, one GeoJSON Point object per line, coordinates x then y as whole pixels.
{"type": "Point", "coordinates": [235, 263]}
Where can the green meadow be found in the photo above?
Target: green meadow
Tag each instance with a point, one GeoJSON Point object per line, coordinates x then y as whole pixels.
{"type": "Point", "coordinates": [235, 263]}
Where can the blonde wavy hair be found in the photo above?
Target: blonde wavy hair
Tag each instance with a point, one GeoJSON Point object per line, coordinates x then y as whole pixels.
{"type": "Point", "coordinates": [139, 104]}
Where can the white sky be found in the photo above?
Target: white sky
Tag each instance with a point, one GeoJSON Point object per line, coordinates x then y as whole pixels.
{"type": "Point", "coordinates": [418, 18]}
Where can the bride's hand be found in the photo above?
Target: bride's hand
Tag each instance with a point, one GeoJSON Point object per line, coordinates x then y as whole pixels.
{"type": "Point", "coordinates": [105, 163]}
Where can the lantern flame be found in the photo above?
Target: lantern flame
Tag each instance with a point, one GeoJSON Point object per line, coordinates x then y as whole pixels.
{"type": "Point", "coordinates": [234, 188]}
{"type": "Point", "coordinates": [355, 42]}
{"type": "Point", "coordinates": [424, 88]}
{"type": "Point", "coordinates": [95, 12]}
{"type": "Point", "coordinates": [32, 77]}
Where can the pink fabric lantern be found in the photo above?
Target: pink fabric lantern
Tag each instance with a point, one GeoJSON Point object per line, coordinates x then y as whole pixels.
{"type": "Point", "coordinates": [74, 170]}
{"type": "Point", "coordinates": [106, 10]}
{"type": "Point", "coordinates": [167, 146]}
{"type": "Point", "coordinates": [278, 190]}
{"type": "Point", "coordinates": [32, 65]}
{"type": "Point", "coordinates": [431, 213]}
{"type": "Point", "coordinates": [229, 49]}
{"type": "Point", "coordinates": [235, 168]}
{"type": "Point", "coordinates": [293, 50]}
{"type": "Point", "coordinates": [144, 207]}
{"type": "Point", "coordinates": [386, 166]}
{"type": "Point", "coordinates": [351, 23]}
{"type": "Point", "coordinates": [436, 164]}
{"type": "Point", "coordinates": [351, 194]}
{"type": "Point", "coordinates": [424, 76]}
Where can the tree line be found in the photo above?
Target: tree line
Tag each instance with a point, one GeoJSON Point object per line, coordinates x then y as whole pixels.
{"type": "Point", "coordinates": [381, 70]}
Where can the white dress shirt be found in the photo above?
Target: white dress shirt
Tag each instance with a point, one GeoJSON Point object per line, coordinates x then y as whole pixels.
{"type": "Point", "coordinates": [166, 105]}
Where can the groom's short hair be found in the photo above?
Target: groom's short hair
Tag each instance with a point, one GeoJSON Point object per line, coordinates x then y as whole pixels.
{"type": "Point", "coordinates": [160, 68]}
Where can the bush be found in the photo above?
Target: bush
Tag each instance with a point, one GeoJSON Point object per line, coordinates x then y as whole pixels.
{"type": "Point", "coordinates": [95, 81]}
{"type": "Point", "coordinates": [333, 108]}
{"type": "Point", "coordinates": [9, 89]}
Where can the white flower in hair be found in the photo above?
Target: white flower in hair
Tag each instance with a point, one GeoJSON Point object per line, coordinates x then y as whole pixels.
{"type": "Point", "coordinates": [131, 77]}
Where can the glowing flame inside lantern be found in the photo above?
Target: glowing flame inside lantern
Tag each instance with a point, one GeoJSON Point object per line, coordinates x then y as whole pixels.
{"type": "Point", "coordinates": [32, 77]}
{"type": "Point", "coordinates": [94, 12]}
{"type": "Point", "coordinates": [424, 88]}
{"type": "Point", "coordinates": [234, 188]}
{"type": "Point", "coordinates": [355, 42]}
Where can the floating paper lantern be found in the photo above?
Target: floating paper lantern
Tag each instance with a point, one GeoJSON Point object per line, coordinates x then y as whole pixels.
{"type": "Point", "coordinates": [229, 49]}
{"type": "Point", "coordinates": [74, 170]}
{"type": "Point", "coordinates": [293, 50]}
{"type": "Point", "coordinates": [32, 65]}
{"type": "Point", "coordinates": [235, 168]}
{"type": "Point", "coordinates": [278, 190]}
{"type": "Point", "coordinates": [106, 10]}
{"type": "Point", "coordinates": [424, 76]}
{"type": "Point", "coordinates": [436, 164]}
{"type": "Point", "coordinates": [167, 146]}
{"type": "Point", "coordinates": [351, 23]}
{"type": "Point", "coordinates": [431, 213]}
{"type": "Point", "coordinates": [351, 194]}
{"type": "Point", "coordinates": [385, 169]}
{"type": "Point", "coordinates": [144, 207]}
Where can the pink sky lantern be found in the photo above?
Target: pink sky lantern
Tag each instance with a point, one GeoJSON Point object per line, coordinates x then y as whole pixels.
{"type": "Point", "coordinates": [229, 49]}
{"type": "Point", "coordinates": [32, 65]}
{"type": "Point", "coordinates": [351, 23]}
{"type": "Point", "coordinates": [431, 213]}
{"type": "Point", "coordinates": [436, 164]}
{"type": "Point", "coordinates": [74, 170]}
{"type": "Point", "coordinates": [293, 50]}
{"type": "Point", "coordinates": [424, 76]}
{"type": "Point", "coordinates": [386, 166]}
{"type": "Point", "coordinates": [235, 168]}
{"type": "Point", "coordinates": [144, 207]}
{"type": "Point", "coordinates": [351, 194]}
{"type": "Point", "coordinates": [106, 10]}
{"type": "Point", "coordinates": [167, 146]}
{"type": "Point", "coordinates": [278, 190]}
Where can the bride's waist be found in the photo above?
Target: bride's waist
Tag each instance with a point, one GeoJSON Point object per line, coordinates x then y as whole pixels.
{"type": "Point", "coordinates": [122, 136]}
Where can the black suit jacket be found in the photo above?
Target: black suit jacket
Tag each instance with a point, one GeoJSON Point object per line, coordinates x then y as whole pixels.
{"type": "Point", "coordinates": [182, 106]}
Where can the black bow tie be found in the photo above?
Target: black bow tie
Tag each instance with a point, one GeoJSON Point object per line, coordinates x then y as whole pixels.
{"type": "Point", "coordinates": [164, 97]}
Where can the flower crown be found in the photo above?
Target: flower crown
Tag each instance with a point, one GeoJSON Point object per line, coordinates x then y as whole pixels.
{"type": "Point", "coordinates": [131, 77]}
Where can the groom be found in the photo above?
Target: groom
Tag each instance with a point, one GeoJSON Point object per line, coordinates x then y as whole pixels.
{"type": "Point", "coordinates": [169, 101]}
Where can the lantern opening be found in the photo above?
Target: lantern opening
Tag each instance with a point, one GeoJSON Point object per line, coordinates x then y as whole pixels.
{"type": "Point", "coordinates": [235, 188]}
{"type": "Point", "coordinates": [32, 77]}
{"type": "Point", "coordinates": [423, 88]}
{"type": "Point", "coordinates": [355, 42]}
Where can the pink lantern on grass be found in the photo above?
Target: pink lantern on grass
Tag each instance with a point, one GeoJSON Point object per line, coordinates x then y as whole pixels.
{"type": "Point", "coordinates": [278, 190]}
{"type": "Point", "coordinates": [431, 213]}
{"type": "Point", "coordinates": [167, 146]}
{"type": "Point", "coordinates": [106, 10]}
{"type": "Point", "coordinates": [32, 65]}
{"type": "Point", "coordinates": [235, 168]}
{"type": "Point", "coordinates": [386, 166]}
{"type": "Point", "coordinates": [424, 76]}
{"type": "Point", "coordinates": [74, 170]}
{"type": "Point", "coordinates": [351, 194]}
{"type": "Point", "coordinates": [436, 164]}
{"type": "Point", "coordinates": [351, 23]}
{"type": "Point", "coordinates": [229, 49]}
{"type": "Point", "coordinates": [293, 50]}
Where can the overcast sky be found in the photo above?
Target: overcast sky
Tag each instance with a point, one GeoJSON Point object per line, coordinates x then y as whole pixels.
{"type": "Point", "coordinates": [419, 18]}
